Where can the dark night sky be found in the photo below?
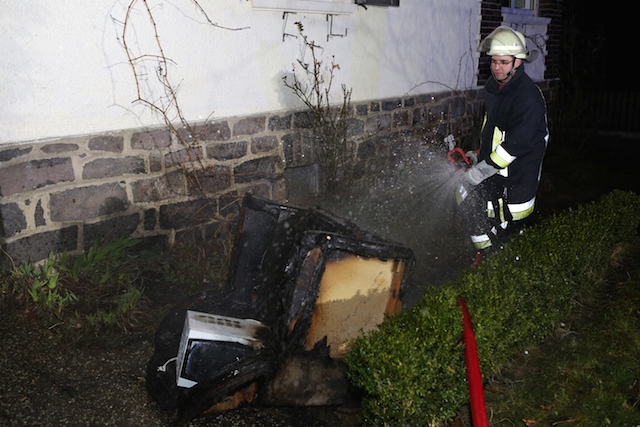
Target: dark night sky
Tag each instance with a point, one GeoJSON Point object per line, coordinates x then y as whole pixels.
{"type": "Point", "coordinates": [608, 34]}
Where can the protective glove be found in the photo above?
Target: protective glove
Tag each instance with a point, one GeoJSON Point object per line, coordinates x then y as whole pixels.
{"type": "Point", "coordinates": [478, 173]}
{"type": "Point", "coordinates": [473, 157]}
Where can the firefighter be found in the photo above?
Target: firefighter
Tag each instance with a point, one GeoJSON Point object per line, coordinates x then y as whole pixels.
{"type": "Point", "coordinates": [497, 193]}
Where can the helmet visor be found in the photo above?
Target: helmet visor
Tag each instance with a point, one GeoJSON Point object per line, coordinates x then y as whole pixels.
{"type": "Point", "coordinates": [507, 41]}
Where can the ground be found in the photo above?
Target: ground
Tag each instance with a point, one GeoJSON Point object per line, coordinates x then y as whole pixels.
{"type": "Point", "coordinates": [50, 380]}
{"type": "Point", "coordinates": [46, 380]}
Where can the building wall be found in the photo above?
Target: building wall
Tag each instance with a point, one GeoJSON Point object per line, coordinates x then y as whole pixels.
{"type": "Point", "coordinates": [81, 159]}
{"type": "Point", "coordinates": [66, 193]}
{"type": "Point", "coordinates": [553, 9]}
{"type": "Point", "coordinates": [65, 69]}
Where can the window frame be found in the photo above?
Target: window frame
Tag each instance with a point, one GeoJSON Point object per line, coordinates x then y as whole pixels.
{"type": "Point", "coordinates": [332, 7]}
{"type": "Point", "coordinates": [531, 10]}
{"type": "Point", "coordinates": [392, 3]}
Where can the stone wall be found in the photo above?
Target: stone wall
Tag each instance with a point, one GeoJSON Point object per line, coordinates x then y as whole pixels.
{"type": "Point", "coordinates": [64, 194]}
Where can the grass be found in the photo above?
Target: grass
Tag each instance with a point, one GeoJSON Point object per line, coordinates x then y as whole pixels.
{"type": "Point", "coordinates": [192, 266]}
{"type": "Point", "coordinates": [588, 372]}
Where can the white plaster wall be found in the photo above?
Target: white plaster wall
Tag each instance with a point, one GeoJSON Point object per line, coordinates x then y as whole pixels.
{"type": "Point", "coordinates": [64, 70]}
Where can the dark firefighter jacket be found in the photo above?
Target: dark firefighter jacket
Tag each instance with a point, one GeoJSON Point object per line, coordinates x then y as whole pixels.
{"type": "Point", "coordinates": [514, 138]}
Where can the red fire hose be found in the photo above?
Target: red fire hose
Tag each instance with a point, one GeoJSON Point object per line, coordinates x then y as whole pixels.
{"type": "Point", "coordinates": [476, 394]}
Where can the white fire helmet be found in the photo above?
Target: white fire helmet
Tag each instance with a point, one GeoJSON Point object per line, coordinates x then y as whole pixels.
{"type": "Point", "coordinates": [506, 41]}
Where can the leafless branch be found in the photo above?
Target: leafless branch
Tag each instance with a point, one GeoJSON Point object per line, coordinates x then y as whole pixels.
{"type": "Point", "coordinates": [167, 106]}
{"type": "Point", "coordinates": [329, 122]}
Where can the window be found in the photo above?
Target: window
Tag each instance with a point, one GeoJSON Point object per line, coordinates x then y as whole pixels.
{"type": "Point", "coordinates": [519, 6]}
{"type": "Point", "coordinates": [378, 2]}
{"type": "Point", "coordinates": [309, 6]}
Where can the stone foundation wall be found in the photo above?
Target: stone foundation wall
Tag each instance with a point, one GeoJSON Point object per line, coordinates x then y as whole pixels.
{"type": "Point", "coordinates": [64, 194]}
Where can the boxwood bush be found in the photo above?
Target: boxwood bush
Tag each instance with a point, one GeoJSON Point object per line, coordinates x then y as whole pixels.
{"type": "Point", "coordinates": [412, 368]}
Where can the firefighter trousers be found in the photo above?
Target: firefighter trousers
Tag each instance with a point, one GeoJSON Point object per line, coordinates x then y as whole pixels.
{"type": "Point", "coordinates": [486, 215]}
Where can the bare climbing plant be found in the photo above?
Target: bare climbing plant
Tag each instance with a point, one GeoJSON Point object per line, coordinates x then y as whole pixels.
{"type": "Point", "coordinates": [167, 106]}
{"type": "Point", "coordinates": [330, 122]}
{"type": "Point", "coordinates": [165, 102]}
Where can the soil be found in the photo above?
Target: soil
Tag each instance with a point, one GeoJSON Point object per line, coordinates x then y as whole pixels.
{"type": "Point", "coordinates": [52, 379]}
{"type": "Point", "coordinates": [46, 379]}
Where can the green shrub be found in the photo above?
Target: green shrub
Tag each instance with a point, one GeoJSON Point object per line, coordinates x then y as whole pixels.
{"type": "Point", "coordinates": [412, 369]}
{"type": "Point", "coordinates": [403, 365]}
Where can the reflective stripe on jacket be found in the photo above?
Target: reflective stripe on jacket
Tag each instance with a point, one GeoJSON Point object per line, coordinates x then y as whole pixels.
{"type": "Point", "coordinates": [514, 138]}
